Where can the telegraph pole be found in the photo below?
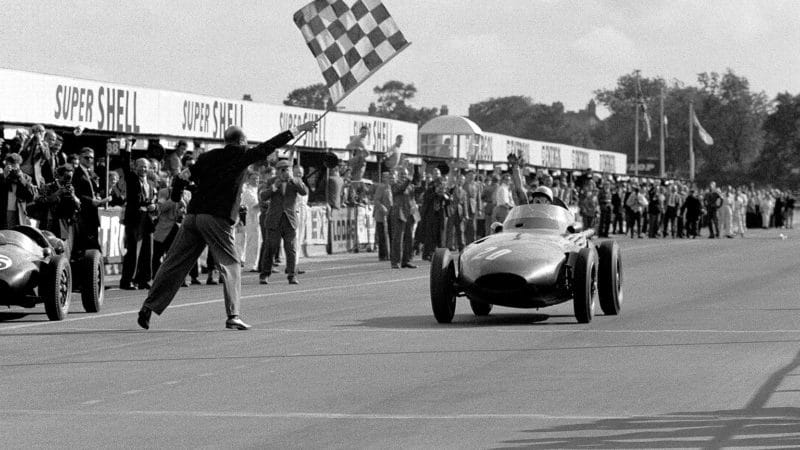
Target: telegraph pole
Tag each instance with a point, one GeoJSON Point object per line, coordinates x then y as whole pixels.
{"type": "Point", "coordinates": [636, 133]}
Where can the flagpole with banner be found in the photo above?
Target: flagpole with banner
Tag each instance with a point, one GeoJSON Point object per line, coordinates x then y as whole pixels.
{"type": "Point", "coordinates": [663, 172]}
{"type": "Point", "coordinates": [636, 142]}
{"type": "Point", "coordinates": [691, 141]}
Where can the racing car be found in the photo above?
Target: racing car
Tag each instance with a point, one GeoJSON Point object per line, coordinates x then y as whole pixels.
{"type": "Point", "coordinates": [34, 268]}
{"type": "Point", "coordinates": [538, 257]}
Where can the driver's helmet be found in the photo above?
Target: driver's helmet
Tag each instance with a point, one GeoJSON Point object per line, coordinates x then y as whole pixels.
{"type": "Point", "coordinates": [542, 194]}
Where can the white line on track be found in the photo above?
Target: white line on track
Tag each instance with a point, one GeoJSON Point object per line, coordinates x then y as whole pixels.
{"type": "Point", "coordinates": [306, 415]}
{"type": "Point", "coordinates": [207, 302]}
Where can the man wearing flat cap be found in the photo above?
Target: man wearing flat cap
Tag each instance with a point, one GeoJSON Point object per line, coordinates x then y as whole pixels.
{"type": "Point", "coordinates": [282, 220]}
{"type": "Point", "coordinates": [209, 220]}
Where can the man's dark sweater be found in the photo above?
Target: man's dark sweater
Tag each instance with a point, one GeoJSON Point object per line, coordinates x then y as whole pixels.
{"type": "Point", "coordinates": [219, 175]}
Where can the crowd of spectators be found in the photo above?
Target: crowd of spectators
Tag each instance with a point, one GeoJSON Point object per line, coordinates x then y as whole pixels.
{"type": "Point", "coordinates": [416, 209]}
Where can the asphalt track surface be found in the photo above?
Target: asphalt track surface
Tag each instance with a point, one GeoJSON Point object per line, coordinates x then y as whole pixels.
{"type": "Point", "coordinates": [704, 355]}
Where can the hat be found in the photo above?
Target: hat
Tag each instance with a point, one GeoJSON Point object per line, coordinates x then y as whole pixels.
{"type": "Point", "coordinates": [283, 163]}
{"type": "Point", "coordinates": [543, 191]}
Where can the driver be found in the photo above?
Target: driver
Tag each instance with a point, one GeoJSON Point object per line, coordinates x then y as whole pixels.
{"type": "Point", "coordinates": [542, 195]}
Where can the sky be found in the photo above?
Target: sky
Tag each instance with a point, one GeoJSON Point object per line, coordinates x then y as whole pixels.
{"type": "Point", "coordinates": [462, 51]}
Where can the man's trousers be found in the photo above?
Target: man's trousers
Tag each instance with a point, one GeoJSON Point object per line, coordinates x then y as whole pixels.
{"type": "Point", "coordinates": [197, 231]}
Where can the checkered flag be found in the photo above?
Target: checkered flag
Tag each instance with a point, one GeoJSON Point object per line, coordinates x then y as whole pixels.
{"type": "Point", "coordinates": [351, 40]}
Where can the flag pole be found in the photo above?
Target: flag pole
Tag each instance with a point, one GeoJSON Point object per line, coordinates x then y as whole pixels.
{"type": "Point", "coordinates": [661, 133]}
{"type": "Point", "coordinates": [636, 126]}
{"type": "Point", "coordinates": [636, 142]}
{"type": "Point", "coordinates": [691, 142]}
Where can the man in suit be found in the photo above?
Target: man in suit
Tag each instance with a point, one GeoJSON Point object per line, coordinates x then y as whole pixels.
{"type": "Point", "coordinates": [140, 212]}
{"type": "Point", "coordinates": [382, 205]}
{"type": "Point", "coordinates": [474, 206]}
{"type": "Point", "coordinates": [282, 220]}
{"type": "Point", "coordinates": [86, 188]}
{"type": "Point", "coordinates": [402, 218]}
{"type": "Point", "coordinates": [456, 216]}
{"type": "Point", "coordinates": [16, 190]}
{"type": "Point", "coordinates": [210, 217]}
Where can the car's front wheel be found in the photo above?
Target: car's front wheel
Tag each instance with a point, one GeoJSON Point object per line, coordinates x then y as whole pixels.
{"type": "Point", "coordinates": [92, 284]}
{"type": "Point", "coordinates": [609, 282]}
{"type": "Point", "coordinates": [55, 287]}
{"type": "Point", "coordinates": [585, 285]}
{"type": "Point", "coordinates": [443, 293]}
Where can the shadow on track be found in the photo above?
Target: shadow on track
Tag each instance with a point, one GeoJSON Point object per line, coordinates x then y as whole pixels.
{"type": "Point", "coordinates": [427, 322]}
{"type": "Point", "coordinates": [755, 425]}
{"type": "Point", "coordinates": [8, 316]}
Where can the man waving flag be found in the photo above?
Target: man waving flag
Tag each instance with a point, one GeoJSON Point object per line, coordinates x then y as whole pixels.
{"type": "Point", "coordinates": [351, 40]}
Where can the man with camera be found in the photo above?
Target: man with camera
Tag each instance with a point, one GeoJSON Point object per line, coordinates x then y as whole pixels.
{"type": "Point", "coordinates": [16, 190]}
{"type": "Point", "coordinates": [59, 207]}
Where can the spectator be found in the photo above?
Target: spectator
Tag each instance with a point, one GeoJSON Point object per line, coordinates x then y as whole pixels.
{"type": "Point", "coordinates": [140, 214]}
{"type": "Point", "coordinates": [247, 228]}
{"type": "Point", "coordinates": [382, 204]}
{"type": "Point", "coordinates": [170, 214]}
{"type": "Point", "coordinates": [20, 190]}
{"type": "Point", "coordinates": [301, 209]}
{"type": "Point", "coordinates": [265, 183]}
{"type": "Point", "coordinates": [693, 209]}
{"type": "Point", "coordinates": [394, 157]}
{"type": "Point", "coordinates": [282, 220]}
{"type": "Point", "coordinates": [402, 218]}
{"type": "Point", "coordinates": [503, 199]}
{"type": "Point", "coordinates": [87, 187]}
{"type": "Point", "coordinates": [457, 210]}
{"type": "Point", "coordinates": [173, 161]}
{"type": "Point", "coordinates": [637, 203]}
{"type": "Point", "coordinates": [60, 206]}
{"type": "Point", "coordinates": [713, 201]}
{"type": "Point", "coordinates": [671, 212]}
{"type": "Point", "coordinates": [605, 203]}
{"type": "Point", "coordinates": [358, 154]}
{"type": "Point", "coordinates": [334, 188]}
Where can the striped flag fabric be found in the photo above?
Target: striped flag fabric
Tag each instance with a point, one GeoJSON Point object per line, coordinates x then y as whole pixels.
{"type": "Point", "coordinates": [646, 116]}
{"type": "Point", "coordinates": [351, 40]}
{"type": "Point", "coordinates": [704, 136]}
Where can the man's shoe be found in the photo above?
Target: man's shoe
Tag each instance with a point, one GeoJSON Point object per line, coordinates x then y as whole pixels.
{"type": "Point", "coordinates": [185, 283]}
{"type": "Point", "coordinates": [263, 281]}
{"type": "Point", "coordinates": [293, 280]}
{"type": "Point", "coordinates": [196, 281]}
{"type": "Point", "coordinates": [144, 318]}
{"type": "Point", "coordinates": [299, 272]}
{"type": "Point", "coordinates": [211, 281]}
{"type": "Point", "coordinates": [235, 323]}
{"type": "Point", "coordinates": [395, 266]}
{"type": "Point", "coordinates": [127, 286]}
{"type": "Point", "coordinates": [274, 270]}
{"type": "Point", "coordinates": [144, 285]}
{"type": "Point", "coordinates": [409, 266]}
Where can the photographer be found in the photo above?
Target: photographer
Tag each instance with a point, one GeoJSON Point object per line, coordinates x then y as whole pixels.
{"type": "Point", "coordinates": [17, 190]}
{"type": "Point", "coordinates": [60, 206]}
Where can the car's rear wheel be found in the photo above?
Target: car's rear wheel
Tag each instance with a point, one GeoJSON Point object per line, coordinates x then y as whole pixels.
{"type": "Point", "coordinates": [585, 285]}
{"type": "Point", "coordinates": [609, 282]}
{"type": "Point", "coordinates": [480, 308]}
{"type": "Point", "coordinates": [443, 293]}
{"type": "Point", "coordinates": [92, 281]}
{"type": "Point", "coordinates": [55, 287]}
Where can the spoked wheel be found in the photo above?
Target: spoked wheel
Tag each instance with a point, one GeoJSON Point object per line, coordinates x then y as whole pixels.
{"type": "Point", "coordinates": [55, 287]}
{"type": "Point", "coordinates": [92, 281]}
{"type": "Point", "coordinates": [443, 293]}
{"type": "Point", "coordinates": [609, 282]}
{"type": "Point", "coordinates": [585, 285]}
{"type": "Point", "coordinates": [480, 308]}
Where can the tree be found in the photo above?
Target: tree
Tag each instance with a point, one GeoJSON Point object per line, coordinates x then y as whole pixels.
{"type": "Point", "coordinates": [519, 116]}
{"type": "Point", "coordinates": [315, 96]}
{"type": "Point", "coordinates": [779, 162]}
{"type": "Point", "coordinates": [393, 103]}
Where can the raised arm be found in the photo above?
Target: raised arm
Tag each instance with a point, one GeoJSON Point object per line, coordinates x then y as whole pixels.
{"type": "Point", "coordinates": [264, 149]}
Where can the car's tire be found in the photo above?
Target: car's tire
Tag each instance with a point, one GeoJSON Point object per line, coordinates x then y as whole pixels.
{"type": "Point", "coordinates": [585, 285]}
{"type": "Point", "coordinates": [480, 308]}
{"type": "Point", "coordinates": [609, 281]}
{"type": "Point", "coordinates": [55, 287]}
{"type": "Point", "coordinates": [92, 275]}
{"type": "Point", "coordinates": [443, 294]}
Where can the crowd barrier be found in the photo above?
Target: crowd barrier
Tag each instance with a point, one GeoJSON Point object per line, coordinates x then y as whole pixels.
{"type": "Point", "coordinates": [325, 231]}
